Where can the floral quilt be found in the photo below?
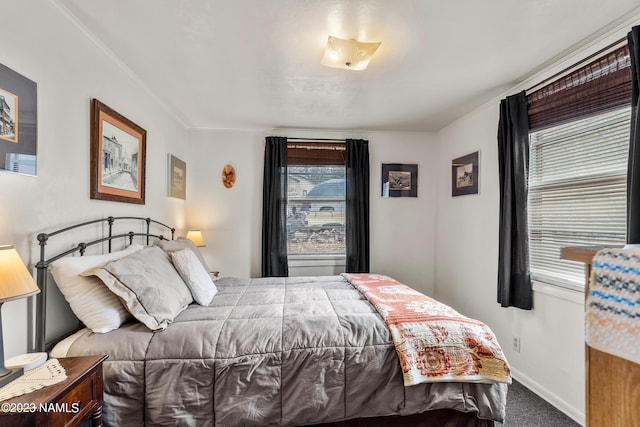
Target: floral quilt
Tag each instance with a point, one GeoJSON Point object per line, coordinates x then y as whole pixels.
{"type": "Point", "coordinates": [434, 342]}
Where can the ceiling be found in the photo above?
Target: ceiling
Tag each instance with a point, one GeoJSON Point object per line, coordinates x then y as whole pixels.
{"type": "Point", "coordinates": [255, 64]}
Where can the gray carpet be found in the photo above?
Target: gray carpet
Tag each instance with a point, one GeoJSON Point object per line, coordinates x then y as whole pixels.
{"type": "Point", "coordinates": [527, 409]}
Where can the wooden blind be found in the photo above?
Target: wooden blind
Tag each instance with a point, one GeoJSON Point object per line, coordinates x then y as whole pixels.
{"type": "Point", "coordinates": [602, 85]}
{"type": "Point", "coordinates": [315, 153]}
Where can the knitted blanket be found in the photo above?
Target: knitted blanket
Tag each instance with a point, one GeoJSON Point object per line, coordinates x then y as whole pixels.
{"type": "Point", "coordinates": [434, 342]}
{"type": "Point", "coordinates": [613, 303]}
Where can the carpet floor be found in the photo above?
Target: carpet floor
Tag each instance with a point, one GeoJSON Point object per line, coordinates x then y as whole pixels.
{"type": "Point", "coordinates": [527, 409]}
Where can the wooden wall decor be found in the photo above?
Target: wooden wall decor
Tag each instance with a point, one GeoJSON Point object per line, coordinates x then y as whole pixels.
{"type": "Point", "coordinates": [228, 176]}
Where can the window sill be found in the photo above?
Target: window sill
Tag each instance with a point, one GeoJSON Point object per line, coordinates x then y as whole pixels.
{"type": "Point", "coordinates": [316, 260]}
{"type": "Point", "coordinates": [316, 256]}
{"type": "Point", "coordinates": [316, 265]}
{"type": "Point", "coordinates": [573, 295]}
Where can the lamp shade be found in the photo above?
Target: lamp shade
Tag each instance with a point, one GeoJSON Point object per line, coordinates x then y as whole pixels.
{"type": "Point", "coordinates": [348, 54]}
{"type": "Point", "coordinates": [196, 237]}
{"type": "Point", "coordinates": [15, 280]}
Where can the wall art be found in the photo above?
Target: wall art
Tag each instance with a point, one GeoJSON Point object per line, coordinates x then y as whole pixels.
{"type": "Point", "coordinates": [18, 122]}
{"type": "Point", "coordinates": [399, 180]}
{"type": "Point", "coordinates": [177, 177]}
{"type": "Point", "coordinates": [118, 156]}
{"type": "Point", "coordinates": [464, 175]}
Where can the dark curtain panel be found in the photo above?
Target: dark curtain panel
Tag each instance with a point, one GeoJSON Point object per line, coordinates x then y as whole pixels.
{"type": "Point", "coordinates": [633, 171]}
{"type": "Point", "coordinates": [274, 208]}
{"type": "Point", "coordinates": [514, 282]}
{"type": "Point", "coordinates": [357, 205]}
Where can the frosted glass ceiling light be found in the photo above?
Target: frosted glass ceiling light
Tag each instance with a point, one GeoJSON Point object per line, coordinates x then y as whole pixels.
{"type": "Point", "coordinates": [348, 54]}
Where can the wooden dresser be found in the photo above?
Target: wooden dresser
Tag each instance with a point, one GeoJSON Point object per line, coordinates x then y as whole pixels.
{"type": "Point", "coordinates": [612, 384]}
{"type": "Point", "coordinates": [69, 403]}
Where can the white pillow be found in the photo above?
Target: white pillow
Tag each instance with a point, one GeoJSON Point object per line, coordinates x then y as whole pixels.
{"type": "Point", "coordinates": [91, 301]}
{"type": "Point", "coordinates": [194, 275]}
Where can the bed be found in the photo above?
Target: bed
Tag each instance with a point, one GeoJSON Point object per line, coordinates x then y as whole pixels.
{"type": "Point", "coordinates": [258, 352]}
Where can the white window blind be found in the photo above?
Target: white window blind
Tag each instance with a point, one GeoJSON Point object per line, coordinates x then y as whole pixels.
{"type": "Point", "coordinates": [577, 192]}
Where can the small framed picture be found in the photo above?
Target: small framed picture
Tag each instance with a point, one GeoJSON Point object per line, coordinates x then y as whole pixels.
{"type": "Point", "coordinates": [464, 175]}
{"type": "Point", "coordinates": [118, 156]}
{"type": "Point", "coordinates": [399, 180]}
{"type": "Point", "coordinates": [18, 122]}
{"type": "Point", "coordinates": [177, 178]}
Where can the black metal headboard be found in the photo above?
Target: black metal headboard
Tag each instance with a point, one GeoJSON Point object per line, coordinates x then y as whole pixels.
{"type": "Point", "coordinates": [108, 237]}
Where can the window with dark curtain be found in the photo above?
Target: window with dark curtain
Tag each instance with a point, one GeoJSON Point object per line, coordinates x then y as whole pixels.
{"type": "Point", "coordinates": [579, 138]}
{"type": "Point", "coordinates": [315, 202]}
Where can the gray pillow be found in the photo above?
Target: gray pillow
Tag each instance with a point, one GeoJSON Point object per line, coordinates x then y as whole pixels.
{"type": "Point", "coordinates": [148, 285]}
{"type": "Point", "coordinates": [181, 243]}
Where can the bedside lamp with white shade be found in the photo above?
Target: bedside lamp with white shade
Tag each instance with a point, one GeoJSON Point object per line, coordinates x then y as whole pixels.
{"type": "Point", "coordinates": [15, 282]}
{"type": "Point", "coordinates": [196, 237]}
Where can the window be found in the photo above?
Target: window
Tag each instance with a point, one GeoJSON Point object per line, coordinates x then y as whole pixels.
{"type": "Point", "coordinates": [577, 192]}
{"type": "Point", "coordinates": [578, 148]}
{"type": "Point", "coordinates": [316, 186]}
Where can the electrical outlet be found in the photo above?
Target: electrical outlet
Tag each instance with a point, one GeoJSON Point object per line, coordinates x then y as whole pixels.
{"type": "Point", "coordinates": [516, 343]}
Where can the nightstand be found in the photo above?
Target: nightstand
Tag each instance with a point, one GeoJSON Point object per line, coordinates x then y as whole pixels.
{"type": "Point", "coordinates": [69, 403]}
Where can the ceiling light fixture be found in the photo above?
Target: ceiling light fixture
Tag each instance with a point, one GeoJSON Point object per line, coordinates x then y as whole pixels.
{"type": "Point", "coordinates": [348, 54]}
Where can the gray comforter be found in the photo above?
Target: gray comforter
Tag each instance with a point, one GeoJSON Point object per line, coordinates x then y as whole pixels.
{"type": "Point", "coordinates": [269, 352]}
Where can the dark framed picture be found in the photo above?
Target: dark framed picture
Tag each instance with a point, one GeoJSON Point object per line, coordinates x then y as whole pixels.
{"type": "Point", "coordinates": [399, 180]}
{"type": "Point", "coordinates": [464, 175]}
{"type": "Point", "coordinates": [18, 122]}
{"type": "Point", "coordinates": [177, 178]}
{"type": "Point", "coordinates": [118, 153]}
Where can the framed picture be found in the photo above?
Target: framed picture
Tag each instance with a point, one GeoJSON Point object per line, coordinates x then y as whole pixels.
{"type": "Point", "coordinates": [399, 180]}
{"type": "Point", "coordinates": [464, 175]}
{"type": "Point", "coordinates": [18, 122]}
{"type": "Point", "coordinates": [118, 153]}
{"type": "Point", "coordinates": [177, 178]}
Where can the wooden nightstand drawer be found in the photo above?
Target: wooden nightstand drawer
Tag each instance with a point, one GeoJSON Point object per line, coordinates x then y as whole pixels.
{"type": "Point", "coordinates": [68, 403]}
{"type": "Point", "coordinates": [76, 405]}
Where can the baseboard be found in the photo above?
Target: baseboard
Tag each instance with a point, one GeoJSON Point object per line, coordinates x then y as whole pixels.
{"type": "Point", "coordinates": [555, 400]}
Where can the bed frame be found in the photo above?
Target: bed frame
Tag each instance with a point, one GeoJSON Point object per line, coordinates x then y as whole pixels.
{"type": "Point", "coordinates": [107, 237]}
{"type": "Point", "coordinates": [437, 418]}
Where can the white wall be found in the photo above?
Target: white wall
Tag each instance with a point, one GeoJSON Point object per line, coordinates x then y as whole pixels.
{"type": "Point", "coordinates": [230, 219]}
{"type": "Point", "coordinates": [551, 357]}
{"type": "Point", "coordinates": [402, 230]}
{"type": "Point", "coordinates": [70, 69]}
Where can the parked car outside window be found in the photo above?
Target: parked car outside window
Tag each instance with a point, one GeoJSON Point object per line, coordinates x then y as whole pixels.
{"type": "Point", "coordinates": [327, 196]}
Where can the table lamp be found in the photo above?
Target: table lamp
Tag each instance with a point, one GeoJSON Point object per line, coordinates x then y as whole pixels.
{"type": "Point", "coordinates": [196, 237]}
{"type": "Point", "coordinates": [15, 282]}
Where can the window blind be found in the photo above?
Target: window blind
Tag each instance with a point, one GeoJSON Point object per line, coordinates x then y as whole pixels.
{"type": "Point", "coordinates": [577, 192]}
{"type": "Point", "coordinates": [315, 153]}
{"type": "Point", "coordinates": [603, 84]}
